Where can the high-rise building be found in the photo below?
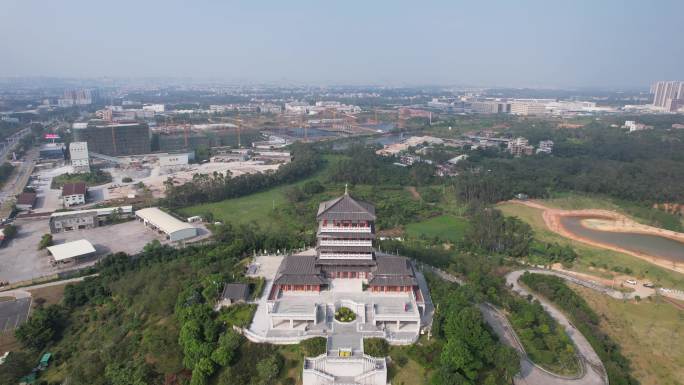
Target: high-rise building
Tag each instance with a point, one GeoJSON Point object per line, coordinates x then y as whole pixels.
{"type": "Point", "coordinates": [78, 152]}
{"type": "Point", "coordinates": [528, 108]}
{"type": "Point", "coordinates": [114, 139]}
{"type": "Point", "coordinates": [668, 95]}
{"type": "Point", "coordinates": [490, 107]}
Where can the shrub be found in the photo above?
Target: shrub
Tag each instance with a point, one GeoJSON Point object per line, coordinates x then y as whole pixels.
{"type": "Point", "coordinates": [345, 314]}
{"type": "Point", "coordinates": [313, 347]}
{"type": "Point", "coordinates": [45, 241]}
{"type": "Point", "coordinates": [127, 179]}
{"type": "Point", "coordinates": [376, 347]}
{"type": "Point", "coordinates": [10, 231]}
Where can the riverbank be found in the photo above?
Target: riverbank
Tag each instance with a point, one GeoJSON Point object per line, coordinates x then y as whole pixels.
{"type": "Point", "coordinates": [612, 221]}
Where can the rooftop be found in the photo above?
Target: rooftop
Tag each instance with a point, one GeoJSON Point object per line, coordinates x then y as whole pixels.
{"type": "Point", "coordinates": [345, 207]}
{"type": "Point", "coordinates": [26, 198]}
{"type": "Point", "coordinates": [162, 220]}
{"type": "Point", "coordinates": [70, 250]}
{"type": "Point", "coordinates": [77, 188]}
{"type": "Point", "coordinates": [299, 270]}
{"type": "Point", "coordinates": [235, 291]}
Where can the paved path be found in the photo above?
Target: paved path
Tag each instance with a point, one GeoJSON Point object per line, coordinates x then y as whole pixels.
{"type": "Point", "coordinates": [617, 294]}
{"type": "Point", "coordinates": [594, 371]}
{"type": "Point", "coordinates": [22, 291]}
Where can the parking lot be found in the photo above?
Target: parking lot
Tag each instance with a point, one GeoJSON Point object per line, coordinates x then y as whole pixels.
{"type": "Point", "coordinates": [21, 260]}
{"type": "Point", "coordinates": [13, 313]}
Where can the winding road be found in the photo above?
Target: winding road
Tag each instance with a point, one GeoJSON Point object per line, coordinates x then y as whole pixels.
{"type": "Point", "coordinates": [593, 372]}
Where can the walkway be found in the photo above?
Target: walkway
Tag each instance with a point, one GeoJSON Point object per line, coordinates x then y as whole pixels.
{"type": "Point", "coordinates": [593, 372]}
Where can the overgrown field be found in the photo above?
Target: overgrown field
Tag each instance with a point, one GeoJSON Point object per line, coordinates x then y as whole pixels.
{"type": "Point", "coordinates": [646, 331]}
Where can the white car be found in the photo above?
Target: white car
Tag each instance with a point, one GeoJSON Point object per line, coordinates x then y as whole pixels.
{"type": "Point", "coordinates": [631, 282]}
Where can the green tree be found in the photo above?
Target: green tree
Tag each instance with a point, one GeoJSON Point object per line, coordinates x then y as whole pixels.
{"type": "Point", "coordinates": [17, 365]}
{"type": "Point", "coordinates": [268, 369]}
{"type": "Point", "coordinates": [42, 328]}
{"type": "Point", "coordinates": [45, 241]}
{"type": "Point", "coordinates": [313, 187]}
{"type": "Point", "coordinates": [202, 371]}
{"type": "Point", "coordinates": [10, 231]}
{"type": "Point", "coordinates": [226, 350]}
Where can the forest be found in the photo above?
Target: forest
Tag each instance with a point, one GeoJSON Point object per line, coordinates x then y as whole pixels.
{"type": "Point", "coordinates": [642, 167]}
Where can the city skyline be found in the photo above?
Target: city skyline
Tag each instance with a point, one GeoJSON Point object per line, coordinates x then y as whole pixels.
{"type": "Point", "coordinates": [582, 44]}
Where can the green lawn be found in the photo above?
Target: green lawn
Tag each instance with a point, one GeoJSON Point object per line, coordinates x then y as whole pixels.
{"type": "Point", "coordinates": [254, 207]}
{"type": "Point", "coordinates": [446, 227]}
{"type": "Point", "coordinates": [589, 255]}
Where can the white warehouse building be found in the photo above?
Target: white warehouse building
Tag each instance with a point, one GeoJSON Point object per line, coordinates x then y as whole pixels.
{"type": "Point", "coordinates": [174, 229]}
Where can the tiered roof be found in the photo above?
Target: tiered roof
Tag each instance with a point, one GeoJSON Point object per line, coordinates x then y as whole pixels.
{"type": "Point", "coordinates": [345, 208]}
{"type": "Point", "coordinates": [299, 270]}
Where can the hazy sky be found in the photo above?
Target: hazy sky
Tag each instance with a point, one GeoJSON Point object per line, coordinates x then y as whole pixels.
{"type": "Point", "coordinates": [508, 43]}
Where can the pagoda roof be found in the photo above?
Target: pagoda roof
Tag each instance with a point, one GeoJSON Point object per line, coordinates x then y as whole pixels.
{"type": "Point", "coordinates": [345, 208]}
{"type": "Point", "coordinates": [299, 270]}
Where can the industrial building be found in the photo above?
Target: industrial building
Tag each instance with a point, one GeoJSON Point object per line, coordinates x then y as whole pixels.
{"type": "Point", "coordinates": [174, 229]}
{"type": "Point", "coordinates": [52, 151]}
{"type": "Point", "coordinates": [26, 201]}
{"type": "Point", "coordinates": [86, 219]}
{"type": "Point", "coordinates": [74, 194]}
{"type": "Point", "coordinates": [78, 153]}
{"type": "Point", "coordinates": [72, 251]}
{"type": "Point", "coordinates": [114, 139]}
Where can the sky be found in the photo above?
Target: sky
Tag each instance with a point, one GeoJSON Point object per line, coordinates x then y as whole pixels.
{"type": "Point", "coordinates": [518, 43]}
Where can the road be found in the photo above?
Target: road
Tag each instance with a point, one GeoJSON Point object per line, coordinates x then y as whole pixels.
{"type": "Point", "coordinates": [593, 371]}
{"type": "Point", "coordinates": [9, 142]}
{"type": "Point", "coordinates": [16, 185]}
{"type": "Point", "coordinates": [23, 292]}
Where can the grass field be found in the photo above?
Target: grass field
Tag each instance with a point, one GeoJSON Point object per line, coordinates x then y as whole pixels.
{"type": "Point", "coordinates": [649, 333]}
{"type": "Point", "coordinates": [589, 254]}
{"type": "Point", "coordinates": [446, 227]}
{"type": "Point", "coordinates": [254, 207]}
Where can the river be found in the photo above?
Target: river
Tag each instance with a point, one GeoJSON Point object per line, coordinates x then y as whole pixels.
{"type": "Point", "coordinates": [641, 243]}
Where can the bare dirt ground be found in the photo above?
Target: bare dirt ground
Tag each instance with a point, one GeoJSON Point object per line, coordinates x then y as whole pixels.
{"type": "Point", "coordinates": [155, 178]}
{"type": "Point", "coordinates": [606, 221]}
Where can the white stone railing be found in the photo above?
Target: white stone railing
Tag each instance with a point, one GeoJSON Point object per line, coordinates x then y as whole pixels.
{"type": "Point", "coordinates": [338, 229]}
{"type": "Point", "coordinates": [345, 242]}
{"type": "Point", "coordinates": [346, 256]}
